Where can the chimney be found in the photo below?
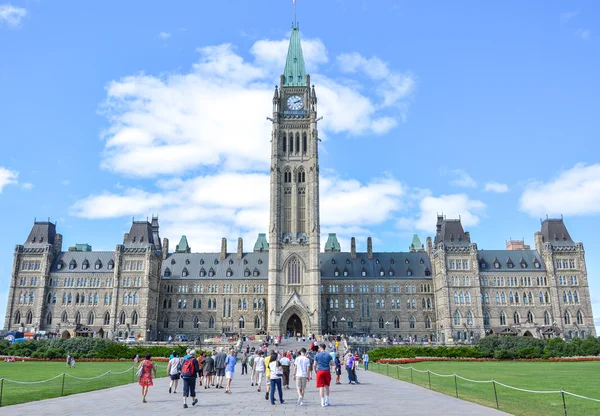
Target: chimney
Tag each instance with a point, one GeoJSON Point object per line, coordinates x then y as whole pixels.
{"type": "Point", "coordinates": [369, 248]}
{"type": "Point", "coordinates": [353, 248]}
{"type": "Point", "coordinates": [240, 251]}
{"type": "Point", "coordinates": [223, 248]}
{"type": "Point", "coordinates": [165, 248]}
{"type": "Point", "coordinates": [57, 246]}
{"type": "Point", "coordinates": [125, 238]}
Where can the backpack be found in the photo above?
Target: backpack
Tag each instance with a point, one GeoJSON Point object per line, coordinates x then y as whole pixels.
{"type": "Point", "coordinates": [251, 361]}
{"type": "Point", "coordinates": [179, 365]}
{"type": "Point", "coordinates": [187, 369]}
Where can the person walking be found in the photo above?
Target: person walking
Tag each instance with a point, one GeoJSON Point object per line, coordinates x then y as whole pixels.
{"type": "Point", "coordinates": [268, 374]}
{"type": "Point", "coordinates": [365, 359]}
{"type": "Point", "coordinates": [189, 372]}
{"type": "Point", "coordinates": [276, 371]}
{"type": "Point", "coordinates": [173, 369]}
{"type": "Point", "coordinates": [252, 372]}
{"type": "Point", "coordinates": [244, 363]}
{"type": "Point", "coordinates": [323, 363]}
{"type": "Point", "coordinates": [220, 367]}
{"type": "Point", "coordinates": [230, 361]}
{"type": "Point", "coordinates": [349, 367]}
{"type": "Point", "coordinates": [148, 369]}
{"type": "Point", "coordinates": [338, 369]}
{"type": "Point", "coordinates": [302, 373]}
{"type": "Point", "coordinates": [259, 368]}
{"type": "Point", "coordinates": [69, 358]}
{"type": "Point", "coordinates": [285, 364]}
{"type": "Point", "coordinates": [136, 359]}
{"type": "Point", "coordinates": [209, 371]}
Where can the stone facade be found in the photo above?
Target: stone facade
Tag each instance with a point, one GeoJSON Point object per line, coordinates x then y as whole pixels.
{"type": "Point", "coordinates": [446, 291]}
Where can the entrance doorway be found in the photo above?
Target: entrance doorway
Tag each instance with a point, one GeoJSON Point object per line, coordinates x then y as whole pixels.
{"type": "Point", "coordinates": [294, 326]}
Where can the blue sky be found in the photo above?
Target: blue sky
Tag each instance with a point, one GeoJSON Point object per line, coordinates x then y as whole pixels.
{"type": "Point", "coordinates": [116, 110]}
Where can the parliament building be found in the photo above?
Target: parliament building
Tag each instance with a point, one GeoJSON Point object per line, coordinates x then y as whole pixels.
{"type": "Point", "coordinates": [446, 290]}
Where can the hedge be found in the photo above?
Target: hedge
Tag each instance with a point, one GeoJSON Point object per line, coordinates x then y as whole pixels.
{"type": "Point", "coordinates": [499, 347]}
{"type": "Point", "coordinates": [83, 348]}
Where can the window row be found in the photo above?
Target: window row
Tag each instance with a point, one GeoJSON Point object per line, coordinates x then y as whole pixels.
{"type": "Point", "coordinates": [461, 280]}
{"type": "Point", "coordinates": [570, 280]}
{"type": "Point", "coordinates": [85, 265]}
{"type": "Point", "coordinates": [211, 323]}
{"type": "Point", "coordinates": [565, 264]}
{"type": "Point", "coordinates": [26, 298]}
{"type": "Point", "coordinates": [458, 264]}
{"type": "Point", "coordinates": [213, 288]}
{"type": "Point", "coordinates": [211, 272]}
{"type": "Point", "coordinates": [92, 299]}
{"type": "Point", "coordinates": [32, 281]}
{"type": "Point", "coordinates": [31, 265]}
{"type": "Point", "coordinates": [412, 323]}
{"type": "Point", "coordinates": [291, 144]}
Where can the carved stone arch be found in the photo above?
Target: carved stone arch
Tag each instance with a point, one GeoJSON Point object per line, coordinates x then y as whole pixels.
{"type": "Point", "coordinates": [290, 314]}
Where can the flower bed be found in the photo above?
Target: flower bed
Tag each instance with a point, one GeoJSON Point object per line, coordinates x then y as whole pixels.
{"type": "Point", "coordinates": [89, 360]}
{"type": "Point", "coordinates": [423, 359]}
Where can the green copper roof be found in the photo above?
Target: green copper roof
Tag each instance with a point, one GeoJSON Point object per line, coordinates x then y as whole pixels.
{"type": "Point", "coordinates": [294, 72]}
{"type": "Point", "coordinates": [332, 243]}
{"type": "Point", "coordinates": [416, 243]}
{"type": "Point", "coordinates": [183, 246]}
{"type": "Point", "coordinates": [261, 243]}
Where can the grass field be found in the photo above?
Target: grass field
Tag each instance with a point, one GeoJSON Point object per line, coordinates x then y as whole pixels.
{"type": "Point", "coordinates": [582, 378]}
{"type": "Point", "coordinates": [32, 371]}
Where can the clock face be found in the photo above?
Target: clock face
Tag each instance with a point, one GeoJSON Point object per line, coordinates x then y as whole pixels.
{"type": "Point", "coordinates": [294, 102]}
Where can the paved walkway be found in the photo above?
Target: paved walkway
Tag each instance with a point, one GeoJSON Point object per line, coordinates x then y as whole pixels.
{"type": "Point", "coordinates": [377, 394]}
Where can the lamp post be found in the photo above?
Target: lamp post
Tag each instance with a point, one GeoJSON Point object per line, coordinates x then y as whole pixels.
{"type": "Point", "coordinates": [148, 335]}
{"type": "Point", "coordinates": [342, 321]}
{"type": "Point", "coordinates": [241, 326]}
{"type": "Point", "coordinates": [387, 326]}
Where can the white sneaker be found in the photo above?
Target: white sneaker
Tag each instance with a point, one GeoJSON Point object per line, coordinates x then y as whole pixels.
{"type": "Point", "coordinates": [327, 403]}
{"type": "Point", "coordinates": [323, 404]}
{"type": "Point", "coordinates": [299, 400]}
{"type": "Point", "coordinates": [302, 403]}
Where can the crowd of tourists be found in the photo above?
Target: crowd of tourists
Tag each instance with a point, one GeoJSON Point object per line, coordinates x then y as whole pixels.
{"type": "Point", "coordinates": [271, 369]}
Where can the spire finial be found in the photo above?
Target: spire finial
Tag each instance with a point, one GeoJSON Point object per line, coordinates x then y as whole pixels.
{"type": "Point", "coordinates": [295, 22]}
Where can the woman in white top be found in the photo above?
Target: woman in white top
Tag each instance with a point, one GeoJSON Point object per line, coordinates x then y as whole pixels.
{"type": "Point", "coordinates": [259, 368]}
{"type": "Point", "coordinates": [276, 371]}
{"type": "Point", "coordinates": [173, 372]}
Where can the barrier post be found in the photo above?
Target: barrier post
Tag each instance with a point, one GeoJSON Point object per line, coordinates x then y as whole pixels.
{"type": "Point", "coordinates": [429, 375]}
{"type": "Point", "coordinates": [496, 394]}
{"type": "Point", "coordinates": [387, 369]}
{"type": "Point", "coordinates": [132, 374]}
{"type": "Point", "coordinates": [564, 402]}
{"type": "Point", "coordinates": [411, 379]}
{"type": "Point", "coordinates": [456, 385]}
{"type": "Point", "coordinates": [108, 379]}
{"type": "Point", "coordinates": [1, 389]}
{"type": "Point", "coordinates": [62, 389]}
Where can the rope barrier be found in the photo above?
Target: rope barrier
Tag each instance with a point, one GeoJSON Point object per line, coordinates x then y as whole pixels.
{"type": "Point", "coordinates": [32, 382]}
{"type": "Point", "coordinates": [496, 382]}
{"type": "Point", "coordinates": [88, 378]}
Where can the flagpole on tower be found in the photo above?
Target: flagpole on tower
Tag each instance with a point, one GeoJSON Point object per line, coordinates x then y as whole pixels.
{"type": "Point", "coordinates": [295, 22]}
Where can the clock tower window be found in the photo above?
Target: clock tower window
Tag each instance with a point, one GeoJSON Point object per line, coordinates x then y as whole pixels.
{"type": "Point", "coordinates": [291, 143]}
{"type": "Point", "coordinates": [284, 143]}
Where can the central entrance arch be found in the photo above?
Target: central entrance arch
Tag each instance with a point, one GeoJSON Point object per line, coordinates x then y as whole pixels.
{"type": "Point", "coordinates": [293, 326]}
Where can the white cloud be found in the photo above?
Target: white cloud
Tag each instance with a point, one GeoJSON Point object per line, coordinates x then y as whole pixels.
{"type": "Point", "coordinates": [393, 86]}
{"type": "Point", "coordinates": [452, 206]}
{"type": "Point", "coordinates": [7, 177]}
{"type": "Point", "coordinates": [11, 15]}
{"type": "Point", "coordinates": [463, 180]}
{"type": "Point", "coordinates": [567, 16]}
{"type": "Point", "coordinates": [174, 124]}
{"type": "Point", "coordinates": [575, 191]}
{"type": "Point", "coordinates": [499, 188]}
{"type": "Point", "coordinates": [584, 34]}
{"type": "Point", "coordinates": [27, 186]}
{"type": "Point", "coordinates": [164, 35]}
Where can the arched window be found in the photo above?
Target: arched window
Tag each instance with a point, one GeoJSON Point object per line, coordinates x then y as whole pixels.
{"type": "Point", "coordinates": [135, 298]}
{"type": "Point", "coordinates": [516, 318]}
{"type": "Point", "coordinates": [469, 318]}
{"type": "Point", "coordinates": [575, 297]}
{"type": "Point", "coordinates": [427, 322]}
{"type": "Point", "coordinates": [511, 299]}
{"type": "Point", "coordinates": [90, 318]}
{"type": "Point", "coordinates": [284, 143]}
{"type": "Point", "coordinates": [180, 323]}
{"type": "Point", "coordinates": [570, 297]}
{"type": "Point", "coordinates": [564, 296]}
{"type": "Point", "coordinates": [196, 324]}
{"type": "Point", "coordinates": [257, 322]}
{"type": "Point", "coordinates": [396, 323]}
{"type": "Point", "coordinates": [486, 318]}
{"type": "Point", "coordinates": [456, 318]}
{"type": "Point", "coordinates": [579, 318]}
{"type": "Point", "coordinates": [294, 270]}
{"type": "Point", "coordinates": [529, 317]}
{"type": "Point", "coordinates": [107, 318]}
{"type": "Point", "coordinates": [456, 297]}
{"type": "Point", "coordinates": [166, 322]}
{"type": "Point", "coordinates": [211, 322]}
{"type": "Point", "coordinates": [503, 296]}
{"type": "Point", "coordinates": [547, 297]}
{"type": "Point", "coordinates": [547, 319]}
{"type": "Point", "coordinates": [77, 318]}
{"type": "Point", "coordinates": [502, 318]}
{"type": "Point", "coordinates": [380, 321]}
{"type": "Point", "coordinates": [170, 304]}
{"type": "Point", "coordinates": [567, 318]}
{"type": "Point", "coordinates": [49, 318]}
{"type": "Point", "coordinates": [134, 318]}
{"type": "Point", "coordinates": [18, 317]}
{"type": "Point", "coordinates": [467, 298]}
{"type": "Point", "coordinates": [517, 298]}
{"type": "Point", "coordinates": [497, 298]}
{"type": "Point", "coordinates": [242, 322]}
{"type": "Point", "coordinates": [411, 322]}
{"type": "Point", "coordinates": [122, 318]}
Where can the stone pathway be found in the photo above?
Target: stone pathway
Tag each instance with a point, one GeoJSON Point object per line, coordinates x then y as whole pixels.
{"type": "Point", "coordinates": [378, 395]}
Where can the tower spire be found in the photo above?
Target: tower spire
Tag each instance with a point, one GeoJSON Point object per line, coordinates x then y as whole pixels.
{"type": "Point", "coordinates": [294, 71]}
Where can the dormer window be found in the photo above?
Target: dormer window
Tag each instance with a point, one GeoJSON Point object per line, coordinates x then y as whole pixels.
{"type": "Point", "coordinates": [133, 240]}
{"type": "Point", "coordinates": [167, 272]}
{"type": "Point", "coordinates": [72, 265]}
{"type": "Point", "coordinates": [510, 264]}
{"type": "Point", "coordinates": [141, 239]}
{"type": "Point", "coordinates": [483, 265]}
{"type": "Point", "coordinates": [229, 273]}
{"type": "Point", "coordinates": [172, 261]}
{"type": "Point", "coordinates": [523, 265]}
{"type": "Point", "coordinates": [85, 265]}
{"type": "Point", "coordinates": [247, 273]}
{"type": "Point", "coordinates": [381, 272]}
{"type": "Point", "coordinates": [216, 261]}
{"type": "Point", "coordinates": [422, 261]}
{"type": "Point", "coordinates": [362, 261]}
{"type": "Point", "coordinates": [59, 265]}
{"type": "Point", "coordinates": [406, 261]}
{"type": "Point", "coordinates": [42, 239]}
{"type": "Point", "coordinates": [259, 261]}
{"type": "Point", "coordinates": [345, 272]}
{"type": "Point", "coordinates": [184, 272]}
{"type": "Point", "coordinates": [245, 262]}
{"type": "Point", "coordinates": [336, 272]}
{"type": "Point", "coordinates": [230, 261]}
{"type": "Point", "coordinates": [376, 261]}
{"type": "Point", "coordinates": [332, 261]}
{"type": "Point", "coordinates": [427, 272]}
{"type": "Point", "coordinates": [255, 273]}
{"type": "Point", "coordinates": [98, 264]}
{"type": "Point", "coordinates": [211, 272]}
{"type": "Point", "coordinates": [496, 264]}
{"type": "Point", "coordinates": [391, 272]}
{"type": "Point", "coordinates": [392, 261]}
{"type": "Point", "coordinates": [347, 261]}
{"type": "Point", "coordinates": [201, 261]}
{"type": "Point", "coordinates": [363, 272]}
{"type": "Point", "coordinates": [536, 264]}
{"type": "Point", "coordinates": [111, 265]}
{"type": "Point", "coordinates": [33, 240]}
{"type": "Point", "coordinates": [202, 272]}
{"type": "Point", "coordinates": [187, 261]}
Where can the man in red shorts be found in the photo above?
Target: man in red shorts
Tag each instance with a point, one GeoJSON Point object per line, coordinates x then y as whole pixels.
{"type": "Point", "coordinates": [323, 364]}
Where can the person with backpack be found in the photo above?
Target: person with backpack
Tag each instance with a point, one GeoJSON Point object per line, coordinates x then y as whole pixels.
{"type": "Point", "coordinates": [173, 371]}
{"type": "Point", "coordinates": [338, 369]}
{"type": "Point", "coordinates": [209, 371]}
{"type": "Point", "coordinates": [276, 372]}
{"type": "Point", "coordinates": [252, 372]}
{"type": "Point", "coordinates": [189, 372]}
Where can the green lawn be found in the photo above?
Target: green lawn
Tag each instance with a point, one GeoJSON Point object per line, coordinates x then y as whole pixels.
{"type": "Point", "coordinates": [13, 393]}
{"type": "Point", "coordinates": [582, 378]}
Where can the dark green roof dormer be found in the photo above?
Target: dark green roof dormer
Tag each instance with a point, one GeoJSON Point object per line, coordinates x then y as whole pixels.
{"type": "Point", "coordinates": [332, 244]}
{"type": "Point", "coordinates": [183, 246]}
{"type": "Point", "coordinates": [294, 74]}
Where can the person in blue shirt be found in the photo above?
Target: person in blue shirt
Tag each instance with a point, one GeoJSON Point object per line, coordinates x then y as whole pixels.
{"type": "Point", "coordinates": [323, 364]}
{"type": "Point", "coordinates": [230, 369]}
